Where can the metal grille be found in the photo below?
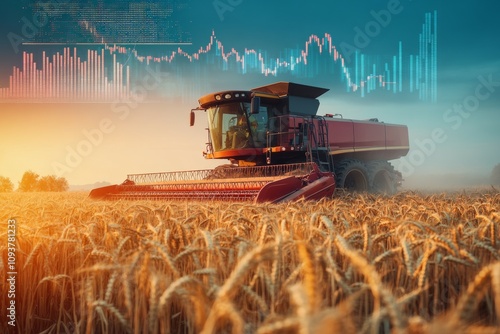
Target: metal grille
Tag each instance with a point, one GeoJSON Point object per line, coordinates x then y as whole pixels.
{"type": "Point", "coordinates": [237, 196]}
{"type": "Point", "coordinates": [221, 173]}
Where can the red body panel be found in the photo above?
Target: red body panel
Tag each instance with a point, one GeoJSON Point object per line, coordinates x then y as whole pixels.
{"type": "Point", "coordinates": [341, 135]}
{"type": "Point", "coordinates": [390, 141]}
{"type": "Point", "coordinates": [368, 135]}
{"type": "Point", "coordinates": [396, 136]}
{"type": "Point", "coordinates": [365, 140]}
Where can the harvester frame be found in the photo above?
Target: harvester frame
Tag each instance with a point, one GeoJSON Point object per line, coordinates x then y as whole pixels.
{"type": "Point", "coordinates": [279, 150]}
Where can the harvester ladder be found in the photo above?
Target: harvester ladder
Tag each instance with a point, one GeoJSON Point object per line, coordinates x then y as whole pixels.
{"type": "Point", "coordinates": [320, 153]}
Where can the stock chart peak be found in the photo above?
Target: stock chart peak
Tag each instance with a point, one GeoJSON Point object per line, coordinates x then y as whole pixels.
{"type": "Point", "coordinates": [110, 71]}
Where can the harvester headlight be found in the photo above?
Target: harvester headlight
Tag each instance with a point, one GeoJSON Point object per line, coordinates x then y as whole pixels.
{"type": "Point", "coordinates": [236, 95]}
{"type": "Point", "coordinates": [227, 96]}
{"type": "Point", "coordinates": [217, 97]}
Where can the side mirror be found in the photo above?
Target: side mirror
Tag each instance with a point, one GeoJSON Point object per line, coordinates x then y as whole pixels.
{"type": "Point", "coordinates": [255, 105]}
{"type": "Point", "coordinates": [191, 118]}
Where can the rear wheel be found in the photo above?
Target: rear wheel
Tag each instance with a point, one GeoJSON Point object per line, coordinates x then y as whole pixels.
{"type": "Point", "coordinates": [351, 175]}
{"type": "Point", "coordinates": [383, 178]}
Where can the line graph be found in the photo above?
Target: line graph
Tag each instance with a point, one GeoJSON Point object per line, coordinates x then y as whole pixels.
{"type": "Point", "coordinates": [109, 71]}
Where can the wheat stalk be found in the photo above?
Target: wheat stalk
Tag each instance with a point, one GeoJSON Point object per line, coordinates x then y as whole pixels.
{"type": "Point", "coordinates": [475, 291]}
{"type": "Point", "coordinates": [310, 284]}
{"type": "Point", "coordinates": [115, 312]}
{"type": "Point", "coordinates": [107, 261]}
{"type": "Point", "coordinates": [374, 281]}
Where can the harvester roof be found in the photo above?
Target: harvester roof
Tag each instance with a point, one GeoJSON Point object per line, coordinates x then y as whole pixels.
{"type": "Point", "coordinates": [276, 90]}
{"type": "Point", "coordinates": [283, 88]}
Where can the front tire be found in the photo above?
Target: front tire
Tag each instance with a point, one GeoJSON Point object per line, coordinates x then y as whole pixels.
{"type": "Point", "coordinates": [351, 175]}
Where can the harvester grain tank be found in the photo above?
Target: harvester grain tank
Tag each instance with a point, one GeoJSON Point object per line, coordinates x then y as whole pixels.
{"type": "Point", "coordinates": [279, 149]}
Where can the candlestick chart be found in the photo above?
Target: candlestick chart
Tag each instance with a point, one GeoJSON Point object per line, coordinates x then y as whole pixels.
{"type": "Point", "coordinates": [110, 71]}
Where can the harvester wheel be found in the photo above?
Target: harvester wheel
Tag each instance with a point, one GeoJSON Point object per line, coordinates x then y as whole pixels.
{"type": "Point", "coordinates": [351, 175]}
{"type": "Point", "coordinates": [383, 178]}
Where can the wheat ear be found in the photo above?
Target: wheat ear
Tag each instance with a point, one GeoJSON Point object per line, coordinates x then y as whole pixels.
{"type": "Point", "coordinates": [310, 281]}
{"type": "Point", "coordinates": [248, 262]}
{"type": "Point", "coordinates": [475, 291]}
{"type": "Point", "coordinates": [375, 283]}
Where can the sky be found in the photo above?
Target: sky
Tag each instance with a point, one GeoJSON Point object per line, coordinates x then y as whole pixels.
{"type": "Point", "coordinates": [454, 141]}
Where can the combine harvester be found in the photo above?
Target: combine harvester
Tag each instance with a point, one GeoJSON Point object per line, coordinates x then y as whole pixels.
{"type": "Point", "coordinates": [279, 150]}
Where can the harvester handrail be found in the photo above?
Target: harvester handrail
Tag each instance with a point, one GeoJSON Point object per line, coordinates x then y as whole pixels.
{"type": "Point", "coordinates": [292, 130]}
{"type": "Point", "coordinates": [223, 173]}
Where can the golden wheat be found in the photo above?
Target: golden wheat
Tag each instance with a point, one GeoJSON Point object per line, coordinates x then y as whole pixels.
{"type": "Point", "coordinates": [412, 262]}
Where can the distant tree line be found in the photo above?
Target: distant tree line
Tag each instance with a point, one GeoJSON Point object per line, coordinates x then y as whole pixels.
{"type": "Point", "coordinates": [33, 182]}
{"type": "Point", "coordinates": [6, 184]}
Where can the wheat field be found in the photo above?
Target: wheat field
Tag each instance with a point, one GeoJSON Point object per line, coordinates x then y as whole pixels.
{"type": "Point", "coordinates": [358, 263]}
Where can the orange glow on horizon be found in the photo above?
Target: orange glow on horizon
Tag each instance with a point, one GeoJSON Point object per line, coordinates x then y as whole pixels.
{"type": "Point", "coordinates": [88, 143]}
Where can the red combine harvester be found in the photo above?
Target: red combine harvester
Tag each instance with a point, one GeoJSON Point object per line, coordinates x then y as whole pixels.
{"type": "Point", "coordinates": [279, 150]}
